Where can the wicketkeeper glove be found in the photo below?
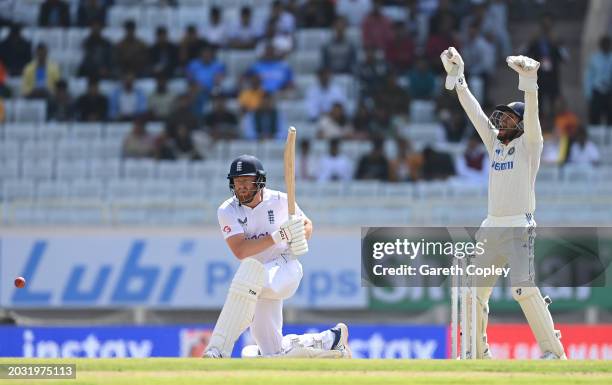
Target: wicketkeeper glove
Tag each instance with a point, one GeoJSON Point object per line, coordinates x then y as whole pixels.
{"type": "Point", "coordinates": [453, 64]}
{"type": "Point", "coordinates": [291, 230]}
{"type": "Point", "coordinates": [527, 69]}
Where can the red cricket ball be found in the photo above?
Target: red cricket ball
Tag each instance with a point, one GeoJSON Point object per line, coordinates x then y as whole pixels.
{"type": "Point", "coordinates": [20, 282]}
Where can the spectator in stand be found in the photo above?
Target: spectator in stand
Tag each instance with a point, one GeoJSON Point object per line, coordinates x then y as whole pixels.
{"type": "Point", "coordinates": [376, 29]}
{"type": "Point", "coordinates": [60, 107]}
{"type": "Point", "coordinates": [267, 122]}
{"type": "Point", "coordinates": [40, 76]}
{"type": "Point", "coordinates": [163, 147]}
{"type": "Point", "coordinates": [305, 165]}
{"type": "Point", "coordinates": [334, 166]}
{"type": "Point", "coordinates": [445, 10]}
{"type": "Point", "coordinates": [15, 51]}
{"type": "Point", "coordinates": [406, 167]}
{"type": "Point", "coordinates": [550, 53]}
{"type": "Point", "coordinates": [284, 21]}
{"type": "Point", "coordinates": [383, 124]}
{"type": "Point", "coordinates": [412, 20]}
{"type": "Point", "coordinates": [473, 164]}
{"type": "Point", "coordinates": [97, 54]}
{"type": "Point", "coordinates": [182, 114]}
{"type": "Point", "coordinates": [215, 33]}
{"type": "Point", "coordinates": [421, 81]}
{"type": "Point", "coordinates": [339, 55]}
{"type": "Point", "coordinates": [251, 96]}
{"type": "Point", "coordinates": [493, 21]}
{"type": "Point", "coordinates": [566, 121]}
{"type": "Point", "coordinates": [374, 165]}
{"type": "Point", "coordinates": [371, 73]}
{"type": "Point", "coordinates": [316, 14]}
{"type": "Point", "coordinates": [392, 97]}
{"type": "Point", "coordinates": [362, 121]}
{"type": "Point", "coordinates": [220, 122]}
{"type": "Point", "coordinates": [334, 124]}
{"type": "Point", "coordinates": [399, 51]}
{"type": "Point", "coordinates": [92, 106]}
{"type": "Point", "coordinates": [282, 42]}
{"type": "Point", "coordinates": [583, 151]}
{"type": "Point", "coordinates": [91, 11]}
{"type": "Point", "coordinates": [183, 145]}
{"type": "Point", "coordinates": [131, 54]}
{"type": "Point", "coordinates": [451, 116]}
{"type": "Point", "coordinates": [138, 143]}
{"type": "Point", "coordinates": [440, 41]}
{"type": "Point", "coordinates": [354, 11]}
{"type": "Point", "coordinates": [276, 75]}
{"type": "Point", "coordinates": [207, 71]}
{"type": "Point", "coordinates": [244, 35]}
{"type": "Point", "coordinates": [163, 54]}
{"type": "Point", "coordinates": [598, 83]}
{"type": "Point", "coordinates": [556, 148]}
{"type": "Point", "coordinates": [127, 101]}
{"type": "Point", "coordinates": [479, 56]}
{"type": "Point", "coordinates": [497, 25]}
{"type": "Point", "coordinates": [321, 96]}
{"type": "Point", "coordinates": [437, 165]}
{"type": "Point", "coordinates": [191, 45]}
{"type": "Point", "coordinates": [198, 99]}
{"type": "Point", "coordinates": [54, 13]}
{"type": "Point", "coordinates": [161, 100]}
{"type": "Point", "coordinates": [5, 91]}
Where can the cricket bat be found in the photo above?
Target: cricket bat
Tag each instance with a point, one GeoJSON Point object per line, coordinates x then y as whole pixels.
{"type": "Point", "coordinates": [289, 156]}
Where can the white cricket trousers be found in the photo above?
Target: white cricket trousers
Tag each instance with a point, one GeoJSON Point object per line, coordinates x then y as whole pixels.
{"type": "Point", "coordinates": [510, 240]}
{"type": "Point", "coordinates": [284, 276]}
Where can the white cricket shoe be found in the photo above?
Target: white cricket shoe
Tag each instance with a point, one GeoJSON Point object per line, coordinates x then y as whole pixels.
{"type": "Point", "coordinates": [212, 353]}
{"type": "Point", "coordinates": [343, 345]}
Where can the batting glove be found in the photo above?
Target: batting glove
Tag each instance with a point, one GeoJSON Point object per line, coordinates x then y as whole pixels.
{"type": "Point", "coordinates": [299, 247]}
{"type": "Point", "coordinates": [527, 69]}
{"type": "Point", "coordinates": [453, 64]}
{"type": "Point", "coordinates": [292, 229]}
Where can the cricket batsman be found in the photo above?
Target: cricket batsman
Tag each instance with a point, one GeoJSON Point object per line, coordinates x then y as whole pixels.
{"type": "Point", "coordinates": [256, 226]}
{"type": "Point", "coordinates": [513, 138]}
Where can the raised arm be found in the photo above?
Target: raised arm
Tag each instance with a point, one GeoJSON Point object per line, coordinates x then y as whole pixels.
{"type": "Point", "coordinates": [455, 79]}
{"type": "Point", "coordinates": [527, 69]}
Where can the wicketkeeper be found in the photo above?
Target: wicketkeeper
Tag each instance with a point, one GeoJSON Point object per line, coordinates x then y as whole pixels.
{"type": "Point", "coordinates": [513, 138]}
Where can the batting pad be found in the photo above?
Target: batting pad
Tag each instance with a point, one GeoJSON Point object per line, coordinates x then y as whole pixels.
{"type": "Point", "coordinates": [239, 308]}
{"type": "Point", "coordinates": [539, 319]}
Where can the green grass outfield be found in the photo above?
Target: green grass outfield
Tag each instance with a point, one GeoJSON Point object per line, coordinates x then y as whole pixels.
{"type": "Point", "coordinates": [353, 372]}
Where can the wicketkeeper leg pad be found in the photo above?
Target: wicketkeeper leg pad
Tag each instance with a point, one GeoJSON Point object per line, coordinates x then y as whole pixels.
{"type": "Point", "coordinates": [538, 316]}
{"type": "Point", "coordinates": [239, 308]}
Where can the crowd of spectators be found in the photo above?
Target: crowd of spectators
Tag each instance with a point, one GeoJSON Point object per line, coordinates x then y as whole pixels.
{"type": "Point", "coordinates": [396, 63]}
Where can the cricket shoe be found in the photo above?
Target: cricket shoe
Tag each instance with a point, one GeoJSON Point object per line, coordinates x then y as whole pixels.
{"type": "Point", "coordinates": [341, 345]}
{"type": "Point", "coordinates": [552, 356]}
{"type": "Point", "coordinates": [212, 353]}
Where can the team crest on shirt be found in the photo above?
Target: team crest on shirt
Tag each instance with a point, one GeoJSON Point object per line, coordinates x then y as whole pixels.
{"type": "Point", "coordinates": [243, 222]}
{"type": "Point", "coordinates": [271, 216]}
{"type": "Point", "coordinates": [511, 151]}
